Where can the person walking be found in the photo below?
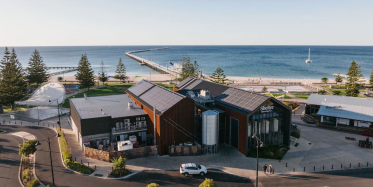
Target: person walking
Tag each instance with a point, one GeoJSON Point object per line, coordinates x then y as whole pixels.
{"type": "Point", "coordinates": [270, 168]}
{"type": "Point", "coordinates": [265, 168]}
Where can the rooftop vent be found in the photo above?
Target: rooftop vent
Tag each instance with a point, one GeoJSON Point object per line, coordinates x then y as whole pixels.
{"type": "Point", "coordinates": [130, 105]}
{"type": "Point", "coordinates": [205, 94]}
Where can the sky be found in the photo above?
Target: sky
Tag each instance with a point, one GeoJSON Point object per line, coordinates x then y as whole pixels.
{"type": "Point", "coordinates": [192, 22]}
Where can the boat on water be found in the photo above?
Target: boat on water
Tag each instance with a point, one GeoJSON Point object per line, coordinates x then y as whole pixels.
{"type": "Point", "coordinates": [309, 56]}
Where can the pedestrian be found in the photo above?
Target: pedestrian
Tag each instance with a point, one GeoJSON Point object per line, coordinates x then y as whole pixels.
{"type": "Point", "coordinates": [270, 168]}
{"type": "Point", "coordinates": [265, 168]}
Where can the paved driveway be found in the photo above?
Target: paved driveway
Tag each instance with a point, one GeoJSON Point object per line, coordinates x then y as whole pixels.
{"type": "Point", "coordinates": [9, 160]}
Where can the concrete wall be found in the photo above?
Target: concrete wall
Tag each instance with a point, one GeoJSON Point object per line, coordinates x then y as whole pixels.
{"type": "Point", "coordinates": [185, 150]}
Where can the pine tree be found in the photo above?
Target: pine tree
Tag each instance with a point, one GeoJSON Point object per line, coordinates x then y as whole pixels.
{"type": "Point", "coordinates": [219, 76]}
{"type": "Point", "coordinates": [37, 70]}
{"type": "Point", "coordinates": [121, 71]}
{"type": "Point", "coordinates": [102, 76]}
{"type": "Point", "coordinates": [188, 69]}
{"type": "Point", "coordinates": [13, 84]}
{"type": "Point", "coordinates": [354, 74]}
{"type": "Point", "coordinates": [338, 78]}
{"type": "Point", "coordinates": [371, 79]}
{"type": "Point", "coordinates": [85, 72]}
{"type": "Point", "coordinates": [324, 80]}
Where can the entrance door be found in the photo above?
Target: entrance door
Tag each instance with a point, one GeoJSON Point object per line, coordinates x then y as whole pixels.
{"type": "Point", "coordinates": [143, 136]}
{"type": "Point", "coordinates": [351, 122]}
{"type": "Point", "coordinates": [234, 133]}
{"type": "Point", "coordinates": [121, 137]}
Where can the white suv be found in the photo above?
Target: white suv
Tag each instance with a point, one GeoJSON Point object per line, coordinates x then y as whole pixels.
{"type": "Point", "coordinates": [192, 169]}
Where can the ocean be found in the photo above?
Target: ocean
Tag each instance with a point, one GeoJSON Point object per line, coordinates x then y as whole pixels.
{"type": "Point", "coordinates": [241, 61]}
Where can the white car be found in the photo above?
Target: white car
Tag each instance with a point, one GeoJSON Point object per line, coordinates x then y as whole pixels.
{"type": "Point", "coordinates": [192, 169]}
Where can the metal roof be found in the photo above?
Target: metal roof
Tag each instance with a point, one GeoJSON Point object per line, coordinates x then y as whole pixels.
{"type": "Point", "coordinates": [241, 99]}
{"type": "Point", "coordinates": [113, 105]}
{"type": "Point", "coordinates": [140, 87]}
{"type": "Point", "coordinates": [343, 106]}
{"type": "Point", "coordinates": [157, 96]}
{"type": "Point", "coordinates": [193, 84]}
{"type": "Point", "coordinates": [185, 81]}
{"type": "Point", "coordinates": [198, 84]}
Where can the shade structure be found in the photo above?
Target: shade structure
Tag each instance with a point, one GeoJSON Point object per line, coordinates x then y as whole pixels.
{"type": "Point", "coordinates": [50, 94]}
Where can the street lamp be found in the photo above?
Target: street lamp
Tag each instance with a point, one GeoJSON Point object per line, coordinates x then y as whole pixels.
{"type": "Point", "coordinates": [257, 155]}
{"type": "Point", "coordinates": [58, 108]}
{"type": "Point", "coordinates": [49, 139]}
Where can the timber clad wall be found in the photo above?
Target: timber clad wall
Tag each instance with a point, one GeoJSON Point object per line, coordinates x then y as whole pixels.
{"type": "Point", "coordinates": [242, 129]}
{"type": "Point", "coordinates": [182, 113]}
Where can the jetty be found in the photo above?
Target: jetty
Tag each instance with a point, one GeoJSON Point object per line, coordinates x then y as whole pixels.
{"type": "Point", "coordinates": [153, 65]}
{"type": "Point", "coordinates": [68, 69]}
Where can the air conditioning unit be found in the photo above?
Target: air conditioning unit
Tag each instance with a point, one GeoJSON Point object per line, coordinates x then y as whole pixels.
{"type": "Point", "coordinates": [205, 94]}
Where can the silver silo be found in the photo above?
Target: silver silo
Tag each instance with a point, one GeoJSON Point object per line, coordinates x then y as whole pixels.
{"type": "Point", "coordinates": [210, 131]}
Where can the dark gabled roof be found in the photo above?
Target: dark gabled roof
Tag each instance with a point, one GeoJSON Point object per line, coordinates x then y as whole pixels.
{"type": "Point", "coordinates": [185, 81]}
{"type": "Point", "coordinates": [154, 96]}
{"type": "Point", "coordinates": [198, 84]}
{"type": "Point", "coordinates": [241, 99]}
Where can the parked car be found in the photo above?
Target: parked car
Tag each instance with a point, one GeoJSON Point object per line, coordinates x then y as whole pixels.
{"type": "Point", "coordinates": [192, 169]}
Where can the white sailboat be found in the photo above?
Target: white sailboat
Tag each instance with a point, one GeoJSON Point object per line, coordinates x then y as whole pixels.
{"type": "Point", "coordinates": [309, 56]}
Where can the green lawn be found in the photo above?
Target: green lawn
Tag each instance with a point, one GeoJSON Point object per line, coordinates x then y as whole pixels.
{"type": "Point", "coordinates": [303, 96]}
{"type": "Point", "coordinates": [343, 91]}
{"type": "Point", "coordinates": [276, 95]}
{"type": "Point", "coordinates": [18, 108]}
{"type": "Point", "coordinates": [109, 90]}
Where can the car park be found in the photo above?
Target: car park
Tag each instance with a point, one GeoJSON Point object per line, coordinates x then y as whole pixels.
{"type": "Point", "coordinates": [192, 169]}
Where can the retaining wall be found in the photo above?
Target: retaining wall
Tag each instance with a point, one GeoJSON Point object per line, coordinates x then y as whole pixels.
{"type": "Point", "coordinates": [128, 154]}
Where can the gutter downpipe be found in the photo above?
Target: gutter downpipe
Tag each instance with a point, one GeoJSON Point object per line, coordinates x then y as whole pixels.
{"type": "Point", "coordinates": [155, 137]}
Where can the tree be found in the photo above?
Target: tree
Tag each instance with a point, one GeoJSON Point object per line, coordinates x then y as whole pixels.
{"type": "Point", "coordinates": [37, 70]}
{"type": "Point", "coordinates": [102, 76]}
{"type": "Point", "coordinates": [85, 73]}
{"type": "Point", "coordinates": [121, 71]}
{"type": "Point", "coordinates": [119, 163]}
{"type": "Point", "coordinates": [219, 76]}
{"type": "Point", "coordinates": [338, 78]}
{"type": "Point", "coordinates": [188, 69]}
{"type": "Point", "coordinates": [60, 79]}
{"type": "Point", "coordinates": [337, 92]}
{"type": "Point", "coordinates": [324, 80]}
{"type": "Point", "coordinates": [264, 89]}
{"type": "Point", "coordinates": [27, 148]}
{"type": "Point", "coordinates": [13, 83]}
{"type": "Point", "coordinates": [153, 185]}
{"type": "Point", "coordinates": [208, 183]}
{"type": "Point", "coordinates": [322, 92]}
{"type": "Point", "coordinates": [371, 79]}
{"type": "Point", "coordinates": [352, 85]}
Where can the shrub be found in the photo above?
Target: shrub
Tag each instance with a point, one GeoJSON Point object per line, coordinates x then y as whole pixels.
{"type": "Point", "coordinates": [270, 152]}
{"type": "Point", "coordinates": [119, 163]}
{"type": "Point", "coordinates": [337, 92]}
{"type": "Point", "coordinates": [60, 79]}
{"type": "Point", "coordinates": [27, 148]}
{"type": "Point", "coordinates": [66, 152]}
{"type": "Point", "coordinates": [34, 183]}
{"type": "Point", "coordinates": [78, 166]}
{"type": "Point", "coordinates": [295, 134]}
{"type": "Point", "coordinates": [153, 185]}
{"type": "Point", "coordinates": [208, 183]}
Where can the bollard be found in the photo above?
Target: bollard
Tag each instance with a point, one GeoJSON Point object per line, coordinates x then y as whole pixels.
{"type": "Point", "coordinates": [322, 167]}
{"type": "Point", "coordinates": [314, 167]}
{"type": "Point", "coordinates": [350, 165]}
{"type": "Point", "coordinates": [81, 161]}
{"type": "Point", "coordinates": [304, 169]}
{"type": "Point", "coordinates": [367, 164]}
{"type": "Point", "coordinates": [359, 164]}
{"type": "Point", "coordinates": [88, 164]}
{"type": "Point", "coordinates": [293, 169]}
{"type": "Point", "coordinates": [332, 166]}
{"type": "Point", "coordinates": [341, 166]}
{"type": "Point", "coordinates": [286, 164]}
{"type": "Point", "coordinates": [112, 168]}
{"type": "Point", "coordinates": [95, 167]}
{"type": "Point", "coordinates": [75, 158]}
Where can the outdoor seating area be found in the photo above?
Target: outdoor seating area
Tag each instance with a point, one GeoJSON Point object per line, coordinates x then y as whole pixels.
{"type": "Point", "coordinates": [365, 144]}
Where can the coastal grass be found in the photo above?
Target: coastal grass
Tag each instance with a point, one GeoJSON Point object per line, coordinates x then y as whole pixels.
{"type": "Point", "coordinates": [302, 96]}
{"type": "Point", "coordinates": [66, 155]}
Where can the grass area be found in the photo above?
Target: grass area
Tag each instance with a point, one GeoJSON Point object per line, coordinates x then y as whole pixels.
{"type": "Point", "coordinates": [277, 95]}
{"type": "Point", "coordinates": [341, 91]}
{"type": "Point", "coordinates": [9, 109]}
{"type": "Point", "coordinates": [302, 96]}
{"type": "Point", "coordinates": [109, 90]}
{"type": "Point", "coordinates": [66, 155]}
{"type": "Point", "coordinates": [270, 152]}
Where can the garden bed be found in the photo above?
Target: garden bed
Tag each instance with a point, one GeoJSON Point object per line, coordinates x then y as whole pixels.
{"type": "Point", "coordinates": [270, 152]}
{"type": "Point", "coordinates": [27, 174]}
{"type": "Point", "coordinates": [118, 173]}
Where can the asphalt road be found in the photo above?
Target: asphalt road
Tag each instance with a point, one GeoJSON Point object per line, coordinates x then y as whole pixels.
{"type": "Point", "coordinates": [9, 160]}
{"type": "Point", "coordinates": [64, 177]}
{"type": "Point", "coordinates": [342, 178]}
